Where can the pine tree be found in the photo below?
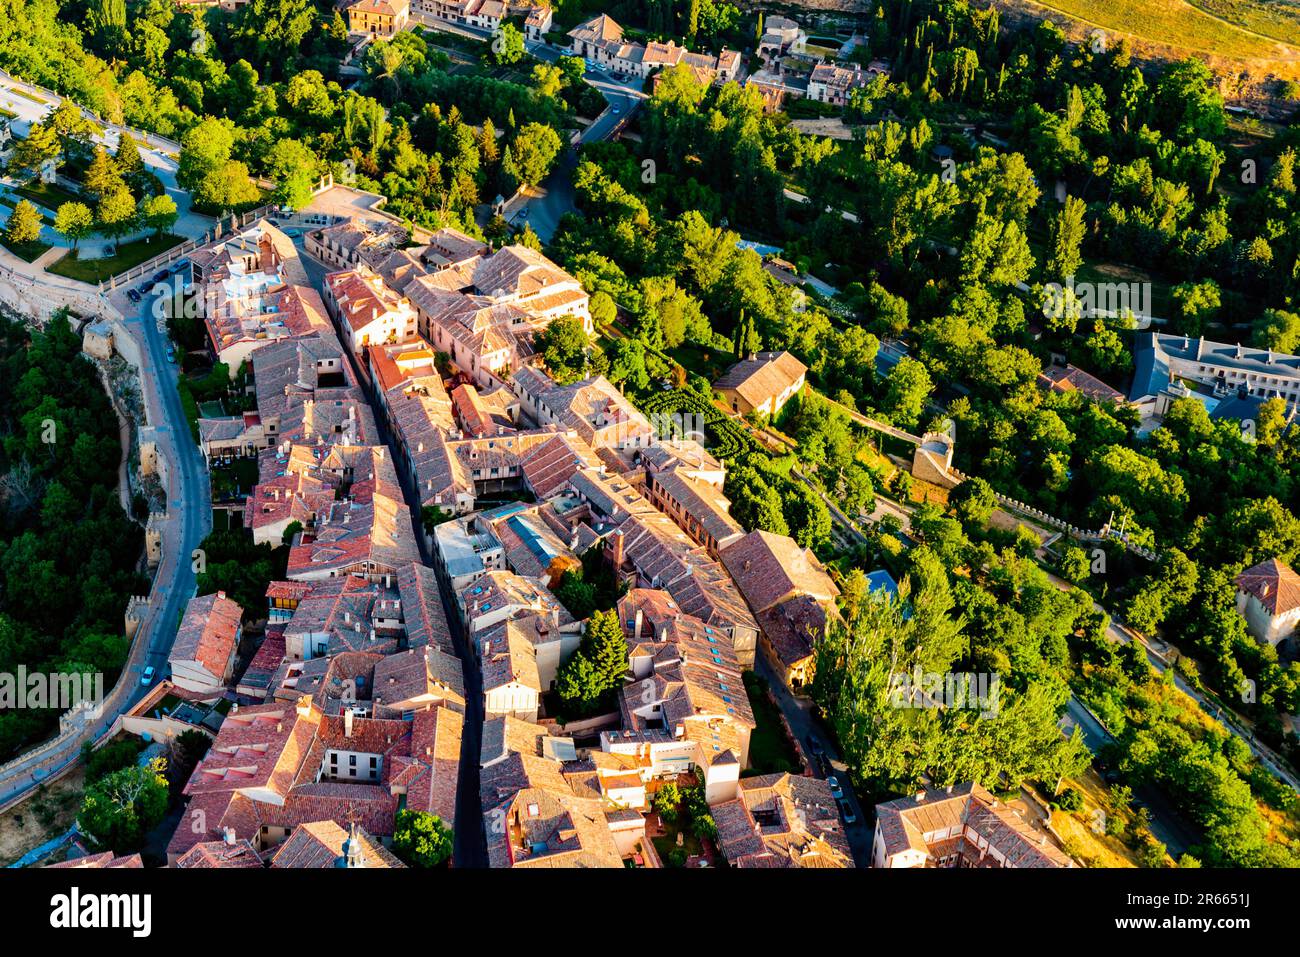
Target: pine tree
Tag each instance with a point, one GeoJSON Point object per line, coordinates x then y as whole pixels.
{"type": "Point", "coordinates": [607, 648]}
{"type": "Point", "coordinates": [102, 176]}
{"type": "Point", "coordinates": [128, 156]}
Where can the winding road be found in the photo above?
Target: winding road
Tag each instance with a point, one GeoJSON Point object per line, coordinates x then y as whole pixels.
{"type": "Point", "coordinates": [189, 517]}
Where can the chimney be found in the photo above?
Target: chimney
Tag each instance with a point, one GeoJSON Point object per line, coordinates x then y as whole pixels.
{"type": "Point", "coordinates": [920, 797]}
{"type": "Point", "coordinates": [616, 550]}
{"type": "Point", "coordinates": [229, 836]}
{"type": "Point", "coordinates": [347, 723]}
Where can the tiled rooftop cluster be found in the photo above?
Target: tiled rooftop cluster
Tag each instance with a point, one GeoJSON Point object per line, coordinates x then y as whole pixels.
{"type": "Point", "coordinates": [353, 704]}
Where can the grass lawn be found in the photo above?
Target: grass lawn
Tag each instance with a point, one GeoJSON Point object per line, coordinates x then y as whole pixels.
{"type": "Point", "coordinates": [128, 255]}
{"type": "Point", "coordinates": [710, 363]}
{"type": "Point", "coordinates": [49, 195]}
{"type": "Point", "coordinates": [17, 91]}
{"type": "Point", "coordinates": [10, 204]}
{"type": "Point", "coordinates": [239, 476]}
{"type": "Point", "coordinates": [7, 114]}
{"type": "Point", "coordinates": [28, 252]}
{"type": "Point", "coordinates": [1281, 21]}
{"type": "Point", "coordinates": [769, 749]}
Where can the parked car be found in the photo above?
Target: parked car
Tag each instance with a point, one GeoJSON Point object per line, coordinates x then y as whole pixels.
{"type": "Point", "coordinates": [133, 295]}
{"type": "Point", "coordinates": [180, 264]}
{"type": "Point", "coordinates": [171, 354]}
{"type": "Point", "coordinates": [847, 812]}
{"type": "Point", "coordinates": [146, 676]}
{"type": "Point", "coordinates": [837, 792]}
{"type": "Point", "coordinates": [159, 277]}
{"type": "Point", "coordinates": [815, 748]}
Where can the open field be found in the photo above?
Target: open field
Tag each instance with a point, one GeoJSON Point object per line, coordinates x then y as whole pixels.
{"type": "Point", "coordinates": [1227, 33]}
{"type": "Point", "coordinates": [1279, 19]}
{"type": "Point", "coordinates": [1172, 22]}
{"type": "Point", "coordinates": [46, 815]}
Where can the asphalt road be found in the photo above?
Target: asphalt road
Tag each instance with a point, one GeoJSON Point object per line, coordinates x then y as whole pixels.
{"type": "Point", "coordinates": [1167, 824]}
{"type": "Point", "coordinates": [798, 714]}
{"type": "Point", "coordinates": [543, 212]}
{"type": "Point", "coordinates": [189, 519]}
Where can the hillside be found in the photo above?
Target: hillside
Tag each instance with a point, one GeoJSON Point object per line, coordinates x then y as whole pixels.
{"type": "Point", "coordinates": [1229, 34]}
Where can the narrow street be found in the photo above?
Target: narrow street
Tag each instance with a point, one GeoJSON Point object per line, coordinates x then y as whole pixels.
{"type": "Point", "coordinates": [798, 712]}
{"type": "Point", "coordinates": [469, 847]}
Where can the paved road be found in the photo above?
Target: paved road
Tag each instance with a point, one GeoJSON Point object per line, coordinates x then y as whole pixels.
{"type": "Point", "coordinates": [543, 212]}
{"type": "Point", "coordinates": [189, 519]}
{"type": "Point", "coordinates": [1167, 824]}
{"type": "Point", "coordinates": [798, 713]}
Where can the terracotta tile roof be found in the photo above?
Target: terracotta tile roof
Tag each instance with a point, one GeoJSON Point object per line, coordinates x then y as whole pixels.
{"type": "Point", "coordinates": [415, 678]}
{"type": "Point", "coordinates": [1275, 585]}
{"type": "Point", "coordinates": [1068, 378]}
{"type": "Point", "coordinates": [768, 568]}
{"type": "Point", "coordinates": [423, 614]}
{"type": "Point", "coordinates": [532, 815]}
{"type": "Point", "coordinates": [210, 854]}
{"type": "Point", "coordinates": [793, 628]}
{"type": "Point", "coordinates": [904, 824]}
{"type": "Point", "coordinates": [431, 773]}
{"type": "Point", "coordinates": [782, 820]}
{"type": "Point", "coordinates": [321, 844]}
{"type": "Point", "coordinates": [208, 633]}
{"type": "Point", "coordinates": [763, 377]}
{"type": "Point", "coordinates": [105, 859]}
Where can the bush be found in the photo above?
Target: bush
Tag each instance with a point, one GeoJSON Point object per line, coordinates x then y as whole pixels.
{"type": "Point", "coordinates": [1069, 800]}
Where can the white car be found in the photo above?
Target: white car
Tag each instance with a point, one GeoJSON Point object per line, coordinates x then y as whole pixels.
{"type": "Point", "coordinates": [146, 676]}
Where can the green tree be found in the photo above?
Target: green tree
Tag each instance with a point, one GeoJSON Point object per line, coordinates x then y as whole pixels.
{"type": "Point", "coordinates": [563, 346]}
{"type": "Point", "coordinates": [606, 647]}
{"type": "Point", "coordinates": [293, 167]}
{"type": "Point", "coordinates": [24, 225]}
{"type": "Point", "coordinates": [74, 222]}
{"type": "Point", "coordinates": [1066, 240]}
{"type": "Point", "coordinates": [120, 809]}
{"type": "Point", "coordinates": [530, 155]}
{"type": "Point", "coordinates": [116, 213]}
{"type": "Point", "coordinates": [907, 389]}
{"type": "Point", "coordinates": [508, 45]}
{"type": "Point", "coordinates": [421, 839]}
{"type": "Point", "coordinates": [158, 213]}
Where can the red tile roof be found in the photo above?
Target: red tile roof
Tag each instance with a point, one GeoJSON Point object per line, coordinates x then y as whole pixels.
{"type": "Point", "coordinates": [1275, 585]}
